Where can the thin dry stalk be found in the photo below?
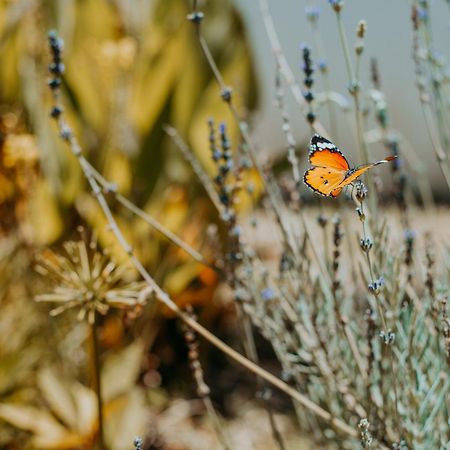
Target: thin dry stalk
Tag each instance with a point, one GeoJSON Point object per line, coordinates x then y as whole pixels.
{"type": "Point", "coordinates": [203, 390]}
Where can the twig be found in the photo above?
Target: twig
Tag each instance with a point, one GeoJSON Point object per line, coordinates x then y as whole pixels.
{"type": "Point", "coordinates": [387, 336]}
{"type": "Point", "coordinates": [112, 188]}
{"type": "Point", "coordinates": [195, 164]}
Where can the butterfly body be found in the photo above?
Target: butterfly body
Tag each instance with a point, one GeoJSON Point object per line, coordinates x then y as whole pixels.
{"type": "Point", "coordinates": [331, 171]}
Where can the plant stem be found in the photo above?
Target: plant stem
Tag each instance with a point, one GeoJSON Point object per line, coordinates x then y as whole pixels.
{"type": "Point", "coordinates": [354, 91]}
{"type": "Point", "coordinates": [385, 329]}
{"type": "Point", "coordinates": [96, 381]}
{"type": "Point", "coordinates": [344, 44]}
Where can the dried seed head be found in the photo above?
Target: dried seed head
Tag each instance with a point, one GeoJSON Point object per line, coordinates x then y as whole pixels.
{"type": "Point", "coordinates": [85, 278]}
{"type": "Point", "coordinates": [361, 29]}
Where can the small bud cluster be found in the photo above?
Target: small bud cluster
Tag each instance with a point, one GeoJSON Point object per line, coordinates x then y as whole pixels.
{"type": "Point", "coordinates": [226, 94]}
{"type": "Point", "coordinates": [429, 280]}
{"type": "Point", "coordinates": [193, 355]}
{"type": "Point", "coordinates": [366, 244]}
{"type": "Point", "coordinates": [138, 443]}
{"type": "Point", "coordinates": [400, 178]}
{"type": "Point", "coordinates": [196, 17]}
{"type": "Point", "coordinates": [228, 182]}
{"type": "Point", "coordinates": [361, 191]}
{"type": "Point", "coordinates": [422, 12]}
{"type": "Point", "coordinates": [410, 237]}
{"type": "Point", "coordinates": [446, 328]}
{"type": "Point", "coordinates": [399, 445]}
{"type": "Point", "coordinates": [308, 70]}
{"type": "Point", "coordinates": [337, 5]}
{"type": "Point", "coordinates": [360, 33]}
{"type": "Point", "coordinates": [322, 220]}
{"type": "Point", "coordinates": [312, 13]}
{"type": "Point", "coordinates": [375, 74]}
{"type": "Point", "coordinates": [365, 436]}
{"type": "Point", "coordinates": [337, 238]}
{"type": "Point", "coordinates": [374, 287]}
{"type": "Point", "coordinates": [285, 262]}
{"type": "Point", "coordinates": [415, 17]}
{"type": "Point", "coordinates": [387, 337]}
{"type": "Point", "coordinates": [361, 215]}
{"type": "Point", "coordinates": [322, 65]}
{"type": "Point", "coordinates": [267, 294]}
{"type": "Point", "coordinates": [56, 47]}
{"type": "Point", "coordinates": [224, 161]}
{"type": "Point", "coordinates": [56, 68]}
{"type": "Point", "coordinates": [369, 317]}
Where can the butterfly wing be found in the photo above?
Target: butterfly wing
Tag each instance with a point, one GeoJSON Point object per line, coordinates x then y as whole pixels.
{"type": "Point", "coordinates": [325, 180]}
{"type": "Point", "coordinates": [330, 167]}
{"type": "Point", "coordinates": [361, 169]}
{"type": "Point", "coordinates": [324, 153]}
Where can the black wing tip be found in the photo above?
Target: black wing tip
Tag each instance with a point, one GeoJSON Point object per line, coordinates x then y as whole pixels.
{"type": "Point", "coordinates": [317, 137]}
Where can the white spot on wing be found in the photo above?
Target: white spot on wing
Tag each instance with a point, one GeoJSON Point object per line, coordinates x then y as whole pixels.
{"type": "Point", "coordinates": [323, 145]}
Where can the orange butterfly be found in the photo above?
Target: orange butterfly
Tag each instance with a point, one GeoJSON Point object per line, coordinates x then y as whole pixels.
{"type": "Point", "coordinates": [331, 171]}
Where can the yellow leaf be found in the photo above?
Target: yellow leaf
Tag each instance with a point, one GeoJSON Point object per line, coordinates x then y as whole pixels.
{"type": "Point", "coordinates": [19, 149]}
{"type": "Point", "coordinates": [117, 170]}
{"type": "Point", "coordinates": [45, 218]}
{"type": "Point", "coordinates": [180, 278]}
{"type": "Point", "coordinates": [188, 87]}
{"type": "Point", "coordinates": [120, 371]}
{"type": "Point", "coordinates": [86, 406]}
{"type": "Point", "coordinates": [57, 395]}
{"type": "Point", "coordinates": [153, 86]}
{"type": "Point", "coordinates": [128, 421]}
{"type": "Point", "coordinates": [31, 419]}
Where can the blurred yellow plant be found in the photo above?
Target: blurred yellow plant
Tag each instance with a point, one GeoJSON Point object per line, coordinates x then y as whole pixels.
{"type": "Point", "coordinates": [69, 420]}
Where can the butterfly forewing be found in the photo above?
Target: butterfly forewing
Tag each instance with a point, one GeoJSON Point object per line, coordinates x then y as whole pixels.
{"type": "Point", "coordinates": [324, 153]}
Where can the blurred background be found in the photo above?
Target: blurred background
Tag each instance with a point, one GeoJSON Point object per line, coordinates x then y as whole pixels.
{"type": "Point", "coordinates": [131, 67]}
{"type": "Point", "coordinates": [388, 39]}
